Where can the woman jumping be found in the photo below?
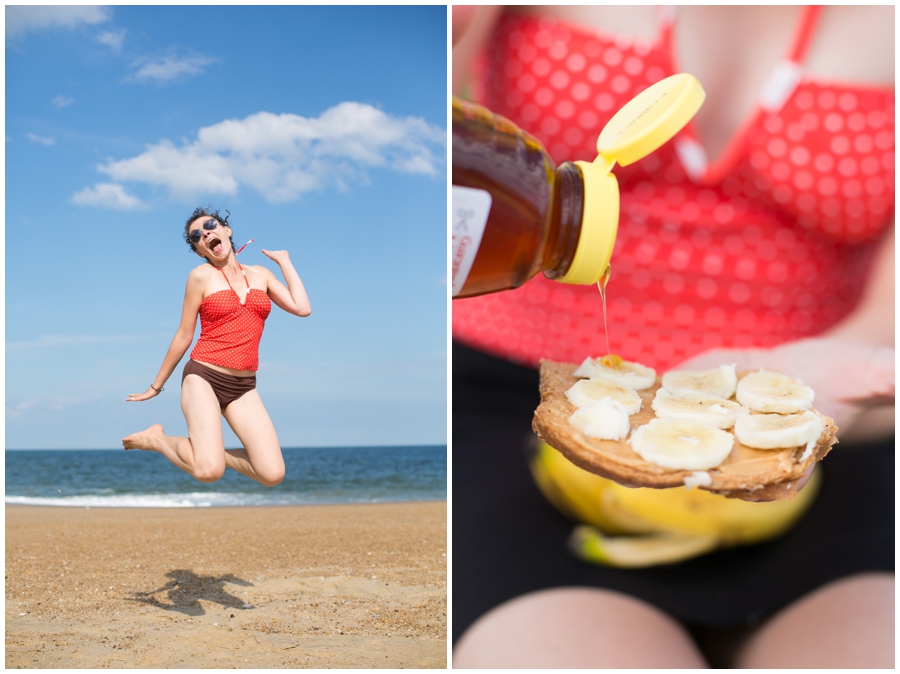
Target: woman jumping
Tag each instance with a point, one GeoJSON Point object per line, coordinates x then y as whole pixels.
{"type": "Point", "coordinates": [220, 378]}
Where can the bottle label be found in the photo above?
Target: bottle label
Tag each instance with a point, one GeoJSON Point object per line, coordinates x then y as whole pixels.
{"type": "Point", "coordinates": [470, 215]}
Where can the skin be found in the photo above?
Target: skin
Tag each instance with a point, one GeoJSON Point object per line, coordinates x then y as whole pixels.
{"type": "Point", "coordinates": [732, 50]}
{"type": "Point", "coordinates": [202, 454]}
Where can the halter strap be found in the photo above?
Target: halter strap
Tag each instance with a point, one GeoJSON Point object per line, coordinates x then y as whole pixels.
{"type": "Point", "coordinates": [806, 28]}
{"type": "Point", "coordinates": [229, 283]}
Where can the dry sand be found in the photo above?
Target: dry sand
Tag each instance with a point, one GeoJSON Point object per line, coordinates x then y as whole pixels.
{"type": "Point", "coordinates": [260, 587]}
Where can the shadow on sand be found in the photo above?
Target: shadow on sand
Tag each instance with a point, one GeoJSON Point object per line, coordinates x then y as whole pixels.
{"type": "Point", "coordinates": [186, 589]}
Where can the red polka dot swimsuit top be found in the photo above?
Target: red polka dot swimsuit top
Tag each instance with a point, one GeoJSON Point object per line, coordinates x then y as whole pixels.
{"type": "Point", "coordinates": [771, 242]}
{"type": "Point", "coordinates": [230, 331]}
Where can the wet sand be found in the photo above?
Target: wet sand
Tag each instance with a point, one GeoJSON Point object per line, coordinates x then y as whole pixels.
{"type": "Point", "coordinates": [256, 587]}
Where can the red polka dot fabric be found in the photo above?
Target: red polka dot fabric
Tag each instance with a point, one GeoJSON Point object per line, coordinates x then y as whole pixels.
{"type": "Point", "coordinates": [230, 331]}
{"type": "Point", "coordinates": [772, 241]}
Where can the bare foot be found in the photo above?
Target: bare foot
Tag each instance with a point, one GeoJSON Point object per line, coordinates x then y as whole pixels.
{"type": "Point", "coordinates": [144, 439]}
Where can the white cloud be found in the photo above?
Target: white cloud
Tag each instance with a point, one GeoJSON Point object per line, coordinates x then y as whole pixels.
{"type": "Point", "coordinates": [165, 69]}
{"type": "Point", "coordinates": [23, 18]}
{"type": "Point", "coordinates": [43, 140]}
{"type": "Point", "coordinates": [107, 195]}
{"type": "Point", "coordinates": [47, 403]}
{"type": "Point", "coordinates": [112, 39]}
{"type": "Point", "coordinates": [282, 156]}
{"type": "Point", "coordinates": [62, 101]}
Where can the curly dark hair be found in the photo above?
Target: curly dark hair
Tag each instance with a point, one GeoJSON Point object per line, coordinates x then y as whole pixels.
{"type": "Point", "coordinates": [201, 211]}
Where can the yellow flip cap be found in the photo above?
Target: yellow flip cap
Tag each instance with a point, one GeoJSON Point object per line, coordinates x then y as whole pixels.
{"type": "Point", "coordinates": [646, 122]}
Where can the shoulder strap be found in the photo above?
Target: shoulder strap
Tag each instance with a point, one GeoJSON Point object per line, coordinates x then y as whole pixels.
{"type": "Point", "coordinates": [806, 28]}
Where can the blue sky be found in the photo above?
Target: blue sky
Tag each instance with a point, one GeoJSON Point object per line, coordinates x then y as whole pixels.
{"type": "Point", "coordinates": [322, 130]}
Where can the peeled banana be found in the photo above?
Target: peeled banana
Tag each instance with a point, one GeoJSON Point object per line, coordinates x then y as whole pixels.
{"type": "Point", "coordinates": [772, 431]}
{"type": "Point", "coordinates": [681, 444]}
{"type": "Point", "coordinates": [717, 383]}
{"type": "Point", "coordinates": [717, 412]}
{"type": "Point", "coordinates": [765, 391]}
{"type": "Point", "coordinates": [587, 391]}
{"type": "Point", "coordinates": [622, 372]}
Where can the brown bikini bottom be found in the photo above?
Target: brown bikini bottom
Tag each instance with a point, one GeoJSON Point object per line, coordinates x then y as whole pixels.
{"type": "Point", "coordinates": [227, 387]}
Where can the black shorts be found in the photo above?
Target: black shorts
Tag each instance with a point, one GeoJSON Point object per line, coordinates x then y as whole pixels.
{"type": "Point", "coordinates": [227, 387]}
{"type": "Point", "coordinates": [508, 540]}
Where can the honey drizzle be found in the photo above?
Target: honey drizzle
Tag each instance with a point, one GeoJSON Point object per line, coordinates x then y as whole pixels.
{"type": "Point", "coordinates": [601, 286]}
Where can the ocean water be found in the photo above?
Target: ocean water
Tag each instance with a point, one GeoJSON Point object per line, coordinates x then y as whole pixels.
{"type": "Point", "coordinates": [314, 475]}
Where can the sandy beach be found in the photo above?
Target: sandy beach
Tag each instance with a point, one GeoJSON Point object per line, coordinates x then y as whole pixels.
{"type": "Point", "coordinates": [255, 587]}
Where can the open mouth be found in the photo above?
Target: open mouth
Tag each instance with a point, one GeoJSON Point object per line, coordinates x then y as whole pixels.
{"type": "Point", "coordinates": [213, 244]}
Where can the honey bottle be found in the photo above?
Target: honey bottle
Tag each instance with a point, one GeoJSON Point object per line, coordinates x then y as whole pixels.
{"type": "Point", "coordinates": [516, 213]}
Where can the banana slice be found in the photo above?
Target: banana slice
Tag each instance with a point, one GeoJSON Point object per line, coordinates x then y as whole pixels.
{"type": "Point", "coordinates": [682, 444]}
{"type": "Point", "coordinates": [718, 383]}
{"type": "Point", "coordinates": [622, 372]}
{"type": "Point", "coordinates": [765, 391]}
{"type": "Point", "coordinates": [606, 419]}
{"type": "Point", "coordinates": [587, 391]}
{"type": "Point", "coordinates": [716, 412]}
{"type": "Point", "coordinates": [774, 431]}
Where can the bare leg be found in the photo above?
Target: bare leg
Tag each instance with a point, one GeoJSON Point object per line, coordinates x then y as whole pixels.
{"type": "Point", "coordinates": [576, 628]}
{"type": "Point", "coordinates": [848, 624]}
{"type": "Point", "coordinates": [261, 458]}
{"type": "Point", "coordinates": [200, 455]}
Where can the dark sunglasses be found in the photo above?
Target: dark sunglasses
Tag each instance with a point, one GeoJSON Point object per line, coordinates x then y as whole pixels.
{"type": "Point", "coordinates": [210, 224]}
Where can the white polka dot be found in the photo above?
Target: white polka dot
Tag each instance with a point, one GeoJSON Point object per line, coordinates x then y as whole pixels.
{"type": "Point", "coordinates": [527, 53]}
{"type": "Point", "coordinates": [826, 100]}
{"type": "Point", "coordinates": [875, 186]}
{"type": "Point", "coordinates": [559, 79]}
{"type": "Point", "coordinates": [541, 67]}
{"type": "Point", "coordinates": [576, 62]}
{"type": "Point", "coordinates": [526, 83]}
{"type": "Point", "coordinates": [612, 56]}
{"type": "Point", "coordinates": [620, 84]}
{"type": "Point", "coordinates": [558, 51]}
{"type": "Point", "coordinates": [654, 74]}
{"type": "Point", "coordinates": [596, 74]}
{"type": "Point", "coordinates": [876, 119]}
{"type": "Point", "coordinates": [633, 66]}
{"type": "Point", "coordinates": [840, 144]}
{"type": "Point", "coordinates": [884, 140]}
{"type": "Point", "coordinates": [809, 121]}
{"type": "Point", "coordinates": [803, 180]}
{"type": "Point", "coordinates": [870, 165]}
{"type": "Point", "coordinates": [799, 156]}
{"type": "Point", "coordinates": [777, 147]}
{"type": "Point", "coordinates": [604, 102]}
{"type": "Point", "coordinates": [856, 122]}
{"type": "Point", "coordinates": [580, 91]}
{"type": "Point", "coordinates": [847, 167]}
{"type": "Point", "coordinates": [588, 119]}
{"type": "Point", "coordinates": [833, 122]}
{"type": "Point", "coordinates": [573, 136]}
{"type": "Point", "coordinates": [550, 125]}
{"type": "Point", "coordinates": [543, 97]}
{"type": "Point", "coordinates": [847, 102]}
{"type": "Point", "coordinates": [565, 109]}
{"type": "Point", "coordinates": [851, 189]}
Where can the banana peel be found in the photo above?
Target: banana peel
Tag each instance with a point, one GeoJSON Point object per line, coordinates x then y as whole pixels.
{"type": "Point", "coordinates": [591, 545]}
{"type": "Point", "coordinates": [631, 528]}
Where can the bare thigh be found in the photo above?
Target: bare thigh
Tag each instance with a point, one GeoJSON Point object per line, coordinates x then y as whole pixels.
{"type": "Point", "coordinates": [203, 416]}
{"type": "Point", "coordinates": [848, 624]}
{"type": "Point", "coordinates": [576, 628]}
{"type": "Point", "coordinates": [249, 420]}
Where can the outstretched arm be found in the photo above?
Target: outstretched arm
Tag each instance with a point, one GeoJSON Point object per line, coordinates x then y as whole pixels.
{"type": "Point", "coordinates": [850, 366]}
{"type": "Point", "coordinates": [183, 337]}
{"type": "Point", "coordinates": [293, 298]}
